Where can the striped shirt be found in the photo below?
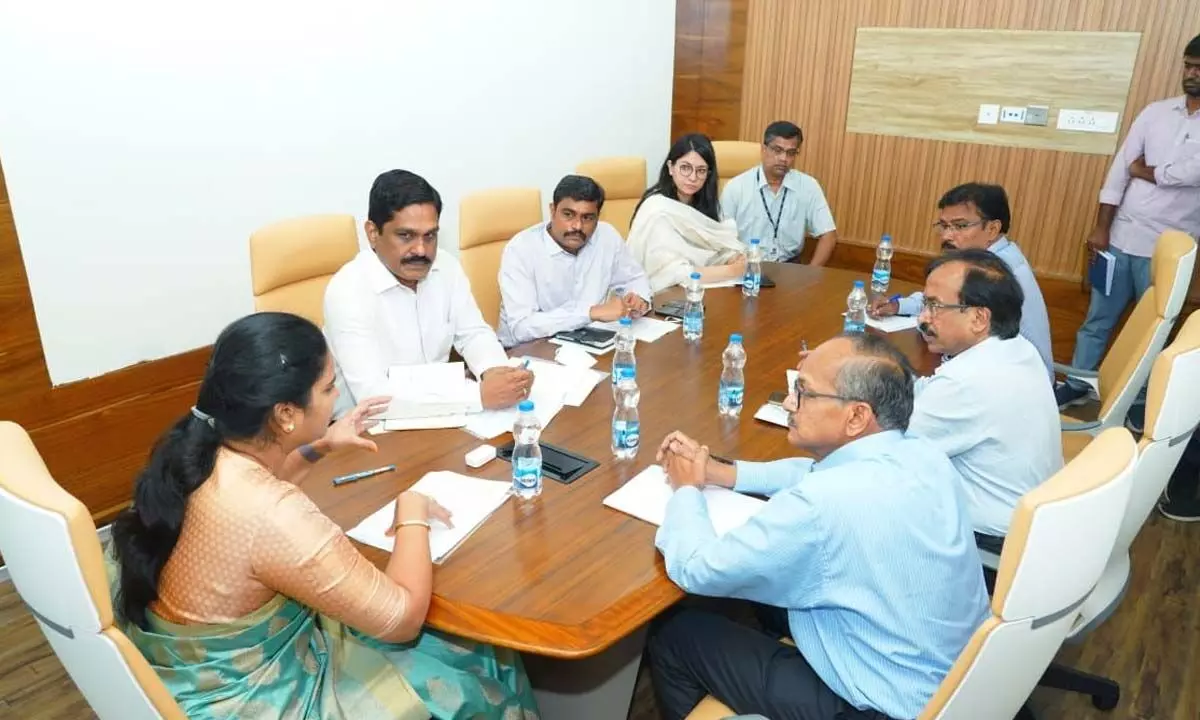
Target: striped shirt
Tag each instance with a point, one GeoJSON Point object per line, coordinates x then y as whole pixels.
{"type": "Point", "coordinates": [871, 552]}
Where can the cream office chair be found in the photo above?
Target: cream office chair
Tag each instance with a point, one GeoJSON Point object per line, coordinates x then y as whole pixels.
{"type": "Point", "coordinates": [1172, 413]}
{"type": "Point", "coordinates": [735, 157]}
{"type": "Point", "coordinates": [292, 261]}
{"type": "Point", "coordinates": [1124, 369]}
{"type": "Point", "coordinates": [487, 220]}
{"type": "Point", "coordinates": [1061, 535]}
{"type": "Point", "coordinates": [50, 544]}
{"type": "Point", "coordinates": [624, 182]}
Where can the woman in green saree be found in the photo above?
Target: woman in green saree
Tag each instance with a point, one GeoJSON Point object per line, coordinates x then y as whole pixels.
{"type": "Point", "coordinates": [252, 604]}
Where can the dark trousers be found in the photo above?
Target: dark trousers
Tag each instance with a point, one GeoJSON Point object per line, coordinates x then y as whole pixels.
{"type": "Point", "coordinates": [1185, 481]}
{"type": "Point", "coordinates": [694, 653]}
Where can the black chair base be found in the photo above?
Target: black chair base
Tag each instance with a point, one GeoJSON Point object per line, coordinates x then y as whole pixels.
{"type": "Point", "coordinates": [1105, 693]}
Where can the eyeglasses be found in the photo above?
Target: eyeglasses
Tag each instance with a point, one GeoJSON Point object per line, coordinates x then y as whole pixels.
{"type": "Point", "coordinates": [961, 225]}
{"type": "Point", "coordinates": [688, 170]}
{"type": "Point", "coordinates": [777, 151]}
{"type": "Point", "coordinates": [802, 393]}
{"type": "Point", "coordinates": [933, 307]}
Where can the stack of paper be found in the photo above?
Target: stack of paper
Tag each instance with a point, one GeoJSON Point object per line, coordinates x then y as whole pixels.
{"type": "Point", "coordinates": [469, 500]}
{"type": "Point", "coordinates": [433, 390]}
{"type": "Point", "coordinates": [646, 496]}
{"type": "Point", "coordinates": [645, 329]}
{"type": "Point", "coordinates": [734, 282]}
{"type": "Point", "coordinates": [775, 414]}
{"type": "Point", "coordinates": [573, 383]}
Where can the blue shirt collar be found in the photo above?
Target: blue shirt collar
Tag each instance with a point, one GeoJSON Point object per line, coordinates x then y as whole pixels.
{"type": "Point", "coordinates": [863, 447]}
{"type": "Point", "coordinates": [997, 247]}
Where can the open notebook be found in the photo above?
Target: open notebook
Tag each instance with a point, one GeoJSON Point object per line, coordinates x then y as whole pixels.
{"type": "Point", "coordinates": [646, 496]}
{"type": "Point", "coordinates": [469, 500]}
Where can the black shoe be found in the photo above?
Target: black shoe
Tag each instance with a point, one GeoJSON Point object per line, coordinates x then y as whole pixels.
{"type": "Point", "coordinates": [1181, 510]}
{"type": "Point", "coordinates": [1067, 395]}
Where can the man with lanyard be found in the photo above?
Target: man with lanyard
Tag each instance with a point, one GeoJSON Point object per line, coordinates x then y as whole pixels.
{"type": "Point", "coordinates": [778, 204]}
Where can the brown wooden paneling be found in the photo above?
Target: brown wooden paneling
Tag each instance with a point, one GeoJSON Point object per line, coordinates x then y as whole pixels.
{"type": "Point", "coordinates": [94, 434]}
{"type": "Point", "coordinates": [710, 48]}
{"type": "Point", "coordinates": [799, 55]}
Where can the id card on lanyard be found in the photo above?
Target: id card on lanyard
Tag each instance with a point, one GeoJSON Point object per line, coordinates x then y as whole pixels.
{"type": "Point", "coordinates": [774, 222]}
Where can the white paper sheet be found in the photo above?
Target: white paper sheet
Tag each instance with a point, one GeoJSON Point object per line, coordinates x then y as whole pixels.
{"type": "Point", "coordinates": [735, 282]}
{"type": "Point", "coordinates": [575, 383]}
{"type": "Point", "coordinates": [430, 390]}
{"type": "Point", "coordinates": [645, 329]}
{"type": "Point", "coordinates": [469, 500]}
{"type": "Point", "coordinates": [772, 414]}
{"type": "Point", "coordinates": [891, 324]}
{"type": "Point", "coordinates": [573, 356]}
{"type": "Point", "coordinates": [646, 495]}
{"type": "Point", "coordinates": [419, 423]}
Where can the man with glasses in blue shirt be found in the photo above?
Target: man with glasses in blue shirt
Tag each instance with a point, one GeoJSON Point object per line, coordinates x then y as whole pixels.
{"type": "Point", "coordinates": [988, 407]}
{"type": "Point", "coordinates": [863, 556]}
{"type": "Point", "coordinates": [976, 215]}
{"type": "Point", "coordinates": [779, 205]}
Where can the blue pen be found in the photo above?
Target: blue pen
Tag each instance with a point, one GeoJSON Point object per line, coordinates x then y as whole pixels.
{"type": "Point", "coordinates": [352, 477]}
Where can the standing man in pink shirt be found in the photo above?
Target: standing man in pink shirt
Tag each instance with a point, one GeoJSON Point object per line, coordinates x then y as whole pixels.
{"type": "Point", "coordinates": [1152, 186]}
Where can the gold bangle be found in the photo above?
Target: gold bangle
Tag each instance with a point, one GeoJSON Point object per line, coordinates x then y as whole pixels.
{"type": "Point", "coordinates": [411, 523]}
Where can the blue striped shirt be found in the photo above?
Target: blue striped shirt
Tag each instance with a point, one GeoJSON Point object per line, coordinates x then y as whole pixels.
{"type": "Point", "coordinates": [871, 552]}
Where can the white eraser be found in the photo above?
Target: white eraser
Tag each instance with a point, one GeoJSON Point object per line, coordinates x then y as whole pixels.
{"type": "Point", "coordinates": [481, 456]}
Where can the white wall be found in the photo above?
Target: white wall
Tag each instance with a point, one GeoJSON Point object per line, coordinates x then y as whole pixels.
{"type": "Point", "coordinates": [143, 141]}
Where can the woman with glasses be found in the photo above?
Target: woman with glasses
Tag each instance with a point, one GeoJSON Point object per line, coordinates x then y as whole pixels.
{"type": "Point", "coordinates": [677, 227]}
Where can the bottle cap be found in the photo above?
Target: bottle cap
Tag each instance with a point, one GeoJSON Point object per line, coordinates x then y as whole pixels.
{"type": "Point", "coordinates": [858, 283]}
{"type": "Point", "coordinates": [754, 241]}
{"type": "Point", "coordinates": [695, 276]}
{"type": "Point", "coordinates": [626, 321]}
{"type": "Point", "coordinates": [525, 406]}
{"type": "Point", "coordinates": [887, 238]}
{"type": "Point", "coordinates": [736, 338]}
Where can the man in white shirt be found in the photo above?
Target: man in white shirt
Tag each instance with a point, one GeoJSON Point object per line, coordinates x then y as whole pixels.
{"type": "Point", "coordinates": [977, 216]}
{"type": "Point", "coordinates": [404, 303]}
{"type": "Point", "coordinates": [558, 276]}
{"type": "Point", "coordinates": [778, 204]}
{"type": "Point", "coordinates": [988, 407]}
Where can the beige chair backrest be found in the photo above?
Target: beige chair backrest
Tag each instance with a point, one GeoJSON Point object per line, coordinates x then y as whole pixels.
{"type": "Point", "coordinates": [487, 220]}
{"type": "Point", "coordinates": [1172, 413]}
{"type": "Point", "coordinates": [53, 553]}
{"type": "Point", "coordinates": [1124, 369]}
{"type": "Point", "coordinates": [735, 157]}
{"type": "Point", "coordinates": [624, 182]}
{"type": "Point", "coordinates": [292, 261]}
{"type": "Point", "coordinates": [1061, 537]}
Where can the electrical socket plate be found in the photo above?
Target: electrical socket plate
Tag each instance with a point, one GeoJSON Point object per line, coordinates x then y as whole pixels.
{"type": "Point", "coordinates": [1037, 115]}
{"type": "Point", "coordinates": [989, 114]}
{"type": "Point", "coordinates": [1012, 114]}
{"type": "Point", "coordinates": [1097, 121]}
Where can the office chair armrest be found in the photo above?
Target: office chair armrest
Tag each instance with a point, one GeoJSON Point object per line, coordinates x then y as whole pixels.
{"type": "Point", "coordinates": [1074, 371]}
{"type": "Point", "coordinates": [1080, 426]}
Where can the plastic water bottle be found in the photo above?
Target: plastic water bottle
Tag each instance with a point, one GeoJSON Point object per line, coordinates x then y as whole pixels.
{"type": "Point", "coordinates": [752, 280]}
{"type": "Point", "coordinates": [626, 434]}
{"type": "Point", "coordinates": [693, 309]}
{"type": "Point", "coordinates": [856, 309]}
{"type": "Point", "coordinates": [527, 453]}
{"type": "Point", "coordinates": [623, 354]}
{"type": "Point", "coordinates": [733, 378]}
{"type": "Point", "coordinates": [881, 276]}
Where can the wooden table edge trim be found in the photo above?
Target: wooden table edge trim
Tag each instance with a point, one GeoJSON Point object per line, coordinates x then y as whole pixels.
{"type": "Point", "coordinates": [571, 642]}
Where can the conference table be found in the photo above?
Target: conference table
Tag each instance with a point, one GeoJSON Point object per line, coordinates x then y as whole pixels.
{"type": "Point", "coordinates": [563, 576]}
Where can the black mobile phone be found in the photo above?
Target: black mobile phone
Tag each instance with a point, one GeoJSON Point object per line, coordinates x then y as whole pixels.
{"type": "Point", "coordinates": [777, 398]}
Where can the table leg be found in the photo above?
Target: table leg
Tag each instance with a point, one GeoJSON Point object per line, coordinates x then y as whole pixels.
{"type": "Point", "coordinates": [596, 688]}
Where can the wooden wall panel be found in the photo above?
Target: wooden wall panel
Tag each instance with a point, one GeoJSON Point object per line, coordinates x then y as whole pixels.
{"type": "Point", "coordinates": [94, 434]}
{"type": "Point", "coordinates": [710, 46]}
{"type": "Point", "coordinates": [896, 91]}
{"type": "Point", "coordinates": [799, 55]}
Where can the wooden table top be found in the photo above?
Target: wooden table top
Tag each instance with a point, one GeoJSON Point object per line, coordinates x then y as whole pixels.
{"type": "Point", "coordinates": [565, 576]}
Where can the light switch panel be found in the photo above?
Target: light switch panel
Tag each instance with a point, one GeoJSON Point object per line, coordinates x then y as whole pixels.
{"type": "Point", "coordinates": [1012, 114]}
{"type": "Point", "coordinates": [989, 114]}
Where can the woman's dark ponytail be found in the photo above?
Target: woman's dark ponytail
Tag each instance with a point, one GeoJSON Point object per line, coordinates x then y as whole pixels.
{"type": "Point", "coordinates": [257, 362]}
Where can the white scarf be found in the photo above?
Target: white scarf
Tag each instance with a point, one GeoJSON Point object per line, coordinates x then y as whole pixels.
{"type": "Point", "coordinates": [671, 240]}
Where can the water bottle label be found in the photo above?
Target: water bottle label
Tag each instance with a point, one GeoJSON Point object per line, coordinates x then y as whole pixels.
{"type": "Point", "coordinates": [527, 472]}
{"type": "Point", "coordinates": [880, 276]}
{"type": "Point", "coordinates": [626, 434]}
{"type": "Point", "coordinates": [616, 372]}
{"type": "Point", "coordinates": [732, 396]}
{"type": "Point", "coordinates": [693, 323]}
{"type": "Point", "coordinates": [750, 280]}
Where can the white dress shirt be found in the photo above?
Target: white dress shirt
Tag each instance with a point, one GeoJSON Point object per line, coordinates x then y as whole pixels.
{"type": "Point", "coordinates": [992, 412]}
{"type": "Point", "coordinates": [373, 322]}
{"type": "Point", "coordinates": [779, 220]}
{"type": "Point", "coordinates": [545, 289]}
